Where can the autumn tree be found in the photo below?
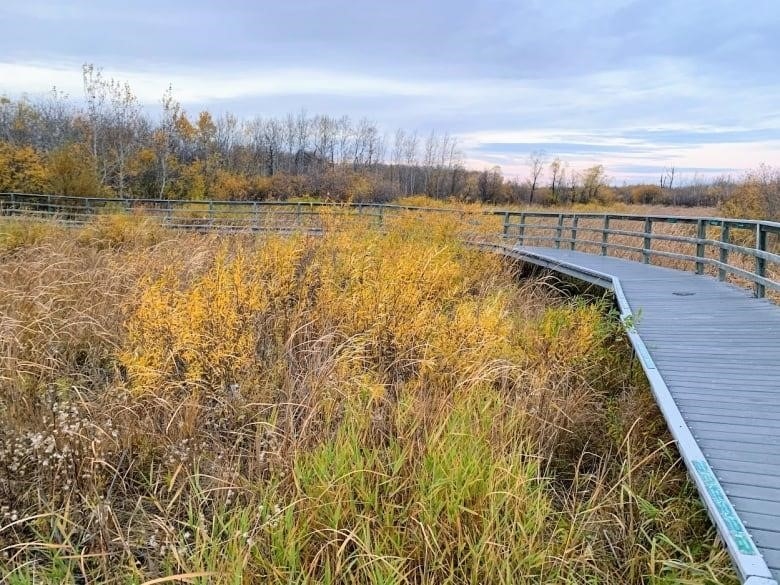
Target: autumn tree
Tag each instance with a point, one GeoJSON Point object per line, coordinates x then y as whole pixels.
{"type": "Point", "coordinates": [557, 179]}
{"type": "Point", "coordinates": [536, 161]}
{"type": "Point", "coordinates": [21, 170]}
{"type": "Point", "coordinates": [758, 195]}
{"type": "Point", "coordinates": [490, 184]}
{"type": "Point", "coordinates": [593, 181]}
{"type": "Point", "coordinates": [69, 171]}
{"type": "Point", "coordinates": [646, 194]}
{"type": "Point", "coordinates": [163, 138]}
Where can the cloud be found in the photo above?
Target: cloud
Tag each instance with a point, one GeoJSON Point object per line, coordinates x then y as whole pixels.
{"type": "Point", "coordinates": [630, 83]}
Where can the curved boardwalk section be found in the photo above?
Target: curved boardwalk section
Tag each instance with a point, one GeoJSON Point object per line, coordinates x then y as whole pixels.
{"type": "Point", "coordinates": [712, 354]}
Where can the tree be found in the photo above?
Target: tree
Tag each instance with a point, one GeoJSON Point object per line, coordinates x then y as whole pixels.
{"type": "Point", "coordinates": [114, 120]}
{"type": "Point", "coordinates": [557, 178]}
{"type": "Point", "coordinates": [647, 194]}
{"type": "Point", "coordinates": [164, 137]}
{"type": "Point", "coordinates": [124, 129]}
{"type": "Point", "coordinates": [536, 162]}
{"type": "Point", "coordinates": [21, 169]}
{"type": "Point", "coordinates": [70, 172]}
{"type": "Point", "coordinates": [592, 182]}
{"type": "Point", "coordinates": [490, 184]}
{"type": "Point", "coordinates": [667, 182]}
{"type": "Point", "coordinates": [95, 96]}
{"type": "Point", "coordinates": [758, 195]}
{"type": "Point", "coordinates": [574, 186]}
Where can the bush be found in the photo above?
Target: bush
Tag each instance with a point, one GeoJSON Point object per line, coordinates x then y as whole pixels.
{"type": "Point", "coordinates": [757, 197]}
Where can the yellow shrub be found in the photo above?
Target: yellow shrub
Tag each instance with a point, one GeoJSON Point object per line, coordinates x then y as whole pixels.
{"type": "Point", "coordinates": [119, 230]}
{"type": "Point", "coordinates": [207, 332]}
{"type": "Point", "coordinates": [570, 333]}
{"type": "Point", "coordinates": [20, 233]}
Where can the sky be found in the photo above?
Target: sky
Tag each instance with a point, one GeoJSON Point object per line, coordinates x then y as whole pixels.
{"type": "Point", "coordinates": [636, 85]}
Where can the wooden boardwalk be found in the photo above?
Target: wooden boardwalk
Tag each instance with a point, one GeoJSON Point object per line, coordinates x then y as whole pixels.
{"type": "Point", "coordinates": [712, 354]}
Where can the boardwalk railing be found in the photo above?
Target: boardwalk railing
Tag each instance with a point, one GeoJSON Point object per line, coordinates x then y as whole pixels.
{"type": "Point", "coordinates": [206, 214]}
{"type": "Point", "coordinates": [745, 251]}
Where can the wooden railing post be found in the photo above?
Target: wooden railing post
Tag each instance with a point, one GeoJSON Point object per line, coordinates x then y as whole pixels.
{"type": "Point", "coordinates": [760, 289]}
{"type": "Point", "coordinates": [725, 238]}
{"type": "Point", "coordinates": [298, 214]}
{"type": "Point", "coordinates": [559, 231]}
{"type": "Point", "coordinates": [648, 241]}
{"type": "Point", "coordinates": [506, 225]}
{"type": "Point", "coordinates": [701, 233]}
{"type": "Point", "coordinates": [574, 222]}
{"type": "Point", "coordinates": [521, 230]}
{"type": "Point", "coordinates": [605, 236]}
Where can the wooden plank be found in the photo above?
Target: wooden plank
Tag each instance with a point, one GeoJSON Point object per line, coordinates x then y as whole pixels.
{"type": "Point", "coordinates": [713, 445]}
{"type": "Point", "coordinates": [758, 506]}
{"type": "Point", "coordinates": [766, 539]}
{"type": "Point", "coordinates": [742, 436]}
{"type": "Point", "coordinates": [730, 398]}
{"type": "Point", "coordinates": [767, 467]}
{"type": "Point", "coordinates": [765, 423]}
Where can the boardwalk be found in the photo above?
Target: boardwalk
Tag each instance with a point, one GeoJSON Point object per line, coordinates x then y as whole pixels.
{"type": "Point", "coordinates": [712, 354]}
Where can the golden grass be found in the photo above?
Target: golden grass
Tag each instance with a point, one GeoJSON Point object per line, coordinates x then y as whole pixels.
{"type": "Point", "coordinates": [361, 407]}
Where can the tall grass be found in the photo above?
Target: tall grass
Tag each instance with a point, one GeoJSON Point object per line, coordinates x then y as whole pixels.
{"type": "Point", "coordinates": [360, 407]}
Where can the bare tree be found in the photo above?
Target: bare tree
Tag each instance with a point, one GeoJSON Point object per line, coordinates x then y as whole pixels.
{"type": "Point", "coordinates": [490, 184]}
{"type": "Point", "coordinates": [115, 122]}
{"type": "Point", "coordinates": [536, 162]}
{"type": "Point", "coordinates": [410, 158]}
{"type": "Point", "coordinates": [574, 186]}
{"type": "Point", "coordinates": [557, 178]}
{"type": "Point", "coordinates": [272, 135]}
{"type": "Point", "coordinates": [96, 97]}
{"type": "Point", "coordinates": [344, 133]}
{"type": "Point", "coordinates": [325, 139]}
{"type": "Point", "coordinates": [164, 136]}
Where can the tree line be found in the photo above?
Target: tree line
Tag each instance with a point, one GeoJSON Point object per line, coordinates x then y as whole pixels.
{"type": "Point", "coordinates": [108, 145]}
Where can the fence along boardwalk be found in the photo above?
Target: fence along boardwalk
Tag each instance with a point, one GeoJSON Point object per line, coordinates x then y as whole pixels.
{"type": "Point", "coordinates": [712, 354]}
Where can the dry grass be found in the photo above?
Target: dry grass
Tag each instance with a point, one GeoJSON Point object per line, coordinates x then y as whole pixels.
{"type": "Point", "coordinates": [361, 407]}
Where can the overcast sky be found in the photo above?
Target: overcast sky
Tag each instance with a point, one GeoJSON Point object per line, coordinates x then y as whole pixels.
{"type": "Point", "coordinates": [636, 85]}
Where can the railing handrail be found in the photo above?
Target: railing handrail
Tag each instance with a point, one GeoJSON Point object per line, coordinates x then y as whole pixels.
{"type": "Point", "coordinates": [771, 226]}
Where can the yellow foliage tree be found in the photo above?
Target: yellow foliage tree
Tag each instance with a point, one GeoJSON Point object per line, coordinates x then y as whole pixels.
{"type": "Point", "coordinates": [758, 197]}
{"type": "Point", "coordinates": [142, 173]}
{"type": "Point", "coordinates": [191, 183]}
{"type": "Point", "coordinates": [230, 186]}
{"type": "Point", "coordinates": [21, 169]}
{"type": "Point", "coordinates": [647, 194]}
{"type": "Point", "coordinates": [70, 172]}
